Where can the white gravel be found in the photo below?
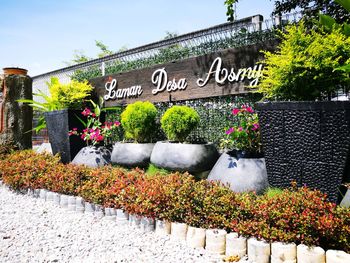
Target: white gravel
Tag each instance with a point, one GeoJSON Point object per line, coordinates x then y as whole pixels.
{"type": "Point", "coordinates": [32, 230]}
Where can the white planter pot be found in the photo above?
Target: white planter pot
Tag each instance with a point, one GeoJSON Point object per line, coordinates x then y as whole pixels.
{"type": "Point", "coordinates": [64, 201]}
{"type": "Point", "coordinates": [134, 220]}
{"type": "Point", "coordinates": [337, 256]}
{"type": "Point", "coordinates": [307, 254]}
{"type": "Point", "coordinates": [56, 198]}
{"type": "Point", "coordinates": [93, 156]}
{"type": "Point", "coordinates": [79, 204]}
{"type": "Point", "coordinates": [42, 194]}
{"type": "Point", "coordinates": [122, 217]}
{"type": "Point", "coordinates": [71, 203]}
{"type": "Point", "coordinates": [282, 252]}
{"type": "Point", "coordinates": [163, 227]}
{"type": "Point", "coordinates": [99, 213]}
{"type": "Point", "coordinates": [110, 213]}
{"type": "Point", "coordinates": [236, 245]}
{"type": "Point", "coordinates": [258, 251]}
{"type": "Point", "coordinates": [216, 241]}
{"type": "Point", "coordinates": [147, 224]}
{"type": "Point", "coordinates": [89, 207]}
{"type": "Point", "coordinates": [178, 231]}
{"type": "Point", "coordinates": [195, 237]}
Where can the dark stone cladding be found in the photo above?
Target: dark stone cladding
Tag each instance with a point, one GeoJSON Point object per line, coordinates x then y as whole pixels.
{"type": "Point", "coordinates": [306, 142]}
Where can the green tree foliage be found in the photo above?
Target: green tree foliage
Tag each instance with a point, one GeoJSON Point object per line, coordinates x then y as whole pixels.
{"type": "Point", "coordinates": [303, 66]}
{"type": "Point", "coordinates": [230, 12]}
{"type": "Point", "coordinates": [178, 122]}
{"type": "Point", "coordinates": [139, 121]}
{"type": "Point", "coordinates": [311, 9]}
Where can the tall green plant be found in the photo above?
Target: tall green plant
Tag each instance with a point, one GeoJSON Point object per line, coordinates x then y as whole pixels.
{"type": "Point", "coordinates": [62, 96]}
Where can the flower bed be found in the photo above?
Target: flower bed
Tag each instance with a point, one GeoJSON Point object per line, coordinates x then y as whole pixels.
{"type": "Point", "coordinates": [295, 215]}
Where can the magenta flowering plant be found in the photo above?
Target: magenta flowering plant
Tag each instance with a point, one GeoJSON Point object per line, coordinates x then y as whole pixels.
{"type": "Point", "coordinates": [244, 135]}
{"type": "Point", "coordinates": [95, 131]}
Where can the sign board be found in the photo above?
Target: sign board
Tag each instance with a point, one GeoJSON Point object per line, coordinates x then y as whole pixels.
{"type": "Point", "coordinates": [221, 73]}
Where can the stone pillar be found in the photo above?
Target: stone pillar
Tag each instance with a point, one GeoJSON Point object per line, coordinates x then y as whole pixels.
{"type": "Point", "coordinates": [15, 117]}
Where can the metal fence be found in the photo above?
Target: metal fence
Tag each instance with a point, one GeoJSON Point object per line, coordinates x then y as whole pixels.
{"type": "Point", "coordinates": [240, 31]}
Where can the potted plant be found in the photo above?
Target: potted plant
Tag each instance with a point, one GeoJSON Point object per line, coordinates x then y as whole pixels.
{"type": "Point", "coordinates": [306, 137]}
{"type": "Point", "coordinates": [175, 154]}
{"type": "Point", "coordinates": [138, 121]}
{"type": "Point", "coordinates": [242, 166]}
{"type": "Point", "coordinates": [60, 110]}
{"type": "Point", "coordinates": [94, 134]}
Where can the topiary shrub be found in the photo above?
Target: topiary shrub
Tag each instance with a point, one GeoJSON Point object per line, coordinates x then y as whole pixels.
{"type": "Point", "coordinates": [178, 122]}
{"type": "Point", "coordinates": [138, 121]}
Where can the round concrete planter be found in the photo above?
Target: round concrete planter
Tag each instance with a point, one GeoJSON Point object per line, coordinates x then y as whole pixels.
{"type": "Point", "coordinates": [282, 252]}
{"type": "Point", "coordinates": [99, 211]}
{"type": "Point", "coordinates": [346, 199]}
{"type": "Point", "coordinates": [134, 220]}
{"type": "Point", "coordinates": [195, 237]}
{"type": "Point", "coordinates": [337, 256]}
{"type": "Point", "coordinates": [259, 251]}
{"type": "Point", "coordinates": [242, 174]}
{"type": "Point", "coordinates": [178, 231]}
{"type": "Point", "coordinates": [71, 203]}
{"type": "Point", "coordinates": [42, 194]}
{"type": "Point", "coordinates": [216, 241]}
{"type": "Point", "coordinates": [194, 158]}
{"type": "Point", "coordinates": [307, 254]}
{"type": "Point", "coordinates": [93, 156]}
{"type": "Point", "coordinates": [89, 207]}
{"type": "Point", "coordinates": [79, 204]}
{"type": "Point", "coordinates": [122, 217]}
{"type": "Point", "coordinates": [163, 227]}
{"type": "Point", "coordinates": [49, 196]}
{"type": "Point", "coordinates": [147, 224]}
{"type": "Point", "coordinates": [36, 193]}
{"type": "Point", "coordinates": [236, 245]}
{"type": "Point", "coordinates": [56, 198]}
{"type": "Point", "coordinates": [132, 154]}
{"type": "Point", "coordinates": [110, 213]}
{"type": "Point", "coordinates": [64, 201]}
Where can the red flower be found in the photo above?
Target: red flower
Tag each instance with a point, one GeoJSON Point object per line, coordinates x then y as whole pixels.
{"type": "Point", "coordinates": [235, 111]}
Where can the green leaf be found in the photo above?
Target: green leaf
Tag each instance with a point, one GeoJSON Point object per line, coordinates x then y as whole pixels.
{"type": "Point", "coordinates": [344, 3]}
{"type": "Point", "coordinates": [345, 68]}
{"type": "Point", "coordinates": [82, 122]}
{"type": "Point", "coordinates": [347, 30]}
{"type": "Point", "coordinates": [327, 21]}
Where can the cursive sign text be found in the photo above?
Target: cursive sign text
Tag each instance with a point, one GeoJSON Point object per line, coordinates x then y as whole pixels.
{"type": "Point", "coordinates": [114, 93]}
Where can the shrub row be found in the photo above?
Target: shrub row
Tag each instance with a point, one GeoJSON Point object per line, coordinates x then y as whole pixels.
{"type": "Point", "coordinates": [296, 215]}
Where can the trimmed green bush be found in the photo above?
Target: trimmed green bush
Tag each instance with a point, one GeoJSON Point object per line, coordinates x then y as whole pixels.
{"type": "Point", "coordinates": [178, 122]}
{"type": "Point", "coordinates": [139, 121]}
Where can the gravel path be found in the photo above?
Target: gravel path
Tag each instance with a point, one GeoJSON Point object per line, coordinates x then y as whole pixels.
{"type": "Point", "coordinates": [32, 230]}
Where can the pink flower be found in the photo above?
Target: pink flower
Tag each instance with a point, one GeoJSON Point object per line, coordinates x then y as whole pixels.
{"type": "Point", "coordinates": [99, 138]}
{"type": "Point", "coordinates": [75, 129]}
{"type": "Point", "coordinates": [249, 109]}
{"type": "Point", "coordinates": [83, 136]}
{"type": "Point", "coordinates": [240, 129]}
{"type": "Point", "coordinates": [116, 123]}
{"type": "Point", "coordinates": [86, 112]}
{"type": "Point", "coordinates": [93, 115]}
{"type": "Point", "coordinates": [229, 131]}
{"type": "Point", "coordinates": [235, 111]}
{"type": "Point", "coordinates": [256, 126]}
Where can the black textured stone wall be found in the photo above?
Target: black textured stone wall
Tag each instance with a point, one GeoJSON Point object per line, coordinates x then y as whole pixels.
{"type": "Point", "coordinates": [306, 142]}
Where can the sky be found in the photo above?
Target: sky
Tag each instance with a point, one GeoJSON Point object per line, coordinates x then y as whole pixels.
{"type": "Point", "coordinates": [41, 35]}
